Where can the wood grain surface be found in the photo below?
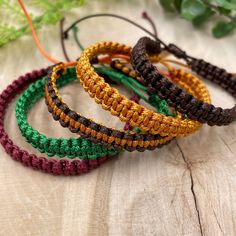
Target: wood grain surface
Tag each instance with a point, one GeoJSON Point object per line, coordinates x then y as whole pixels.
{"type": "Point", "coordinates": [185, 188]}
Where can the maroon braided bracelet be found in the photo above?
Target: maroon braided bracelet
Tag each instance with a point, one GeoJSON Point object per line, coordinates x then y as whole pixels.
{"type": "Point", "coordinates": [52, 166]}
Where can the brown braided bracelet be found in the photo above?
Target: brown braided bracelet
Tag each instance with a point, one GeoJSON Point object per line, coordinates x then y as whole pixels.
{"type": "Point", "coordinates": [176, 97]}
{"type": "Point", "coordinates": [176, 76]}
{"type": "Point", "coordinates": [88, 129]}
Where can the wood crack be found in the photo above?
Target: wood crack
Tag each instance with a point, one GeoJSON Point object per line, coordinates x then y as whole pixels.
{"type": "Point", "coordinates": [226, 144]}
{"type": "Point", "coordinates": [217, 221]}
{"type": "Point", "coordinates": [192, 187]}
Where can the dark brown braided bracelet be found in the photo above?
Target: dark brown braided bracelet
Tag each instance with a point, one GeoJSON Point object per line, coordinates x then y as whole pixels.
{"type": "Point", "coordinates": [176, 97]}
{"type": "Point", "coordinates": [95, 132]}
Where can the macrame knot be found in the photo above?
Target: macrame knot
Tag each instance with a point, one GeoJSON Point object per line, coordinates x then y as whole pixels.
{"type": "Point", "coordinates": [153, 47]}
{"type": "Point", "coordinates": [179, 53]}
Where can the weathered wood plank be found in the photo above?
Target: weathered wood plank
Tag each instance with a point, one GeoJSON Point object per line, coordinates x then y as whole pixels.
{"type": "Point", "coordinates": [186, 188]}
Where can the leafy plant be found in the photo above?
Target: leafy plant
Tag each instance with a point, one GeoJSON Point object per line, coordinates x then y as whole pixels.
{"type": "Point", "coordinates": [13, 23]}
{"type": "Point", "coordinates": [200, 11]}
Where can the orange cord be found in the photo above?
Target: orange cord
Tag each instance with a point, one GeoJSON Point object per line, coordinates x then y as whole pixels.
{"type": "Point", "coordinates": [105, 59]}
{"type": "Point", "coordinates": [45, 54]}
{"type": "Point", "coordinates": [176, 62]}
{"type": "Point", "coordinates": [36, 40]}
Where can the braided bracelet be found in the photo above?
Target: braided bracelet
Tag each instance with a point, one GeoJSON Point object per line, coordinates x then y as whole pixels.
{"type": "Point", "coordinates": [175, 76]}
{"type": "Point", "coordinates": [62, 167]}
{"type": "Point", "coordinates": [126, 110]}
{"type": "Point", "coordinates": [61, 147]}
{"type": "Point", "coordinates": [137, 88]}
{"type": "Point", "coordinates": [88, 129]}
{"type": "Point", "coordinates": [97, 132]}
{"type": "Point", "coordinates": [153, 99]}
{"type": "Point", "coordinates": [176, 97]}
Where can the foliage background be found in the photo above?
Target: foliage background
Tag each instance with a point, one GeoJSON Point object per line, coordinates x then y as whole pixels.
{"type": "Point", "coordinates": [200, 11]}
{"type": "Point", "coordinates": [13, 23]}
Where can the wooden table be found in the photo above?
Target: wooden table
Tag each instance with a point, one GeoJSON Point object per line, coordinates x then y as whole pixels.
{"type": "Point", "coordinates": [185, 188]}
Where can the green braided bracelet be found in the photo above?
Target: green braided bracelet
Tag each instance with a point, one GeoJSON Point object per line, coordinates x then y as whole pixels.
{"type": "Point", "coordinates": [71, 148]}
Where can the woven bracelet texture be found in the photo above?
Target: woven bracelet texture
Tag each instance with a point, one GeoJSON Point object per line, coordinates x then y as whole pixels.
{"type": "Point", "coordinates": [133, 84]}
{"type": "Point", "coordinates": [176, 75]}
{"type": "Point", "coordinates": [182, 101]}
{"type": "Point", "coordinates": [88, 129]}
{"type": "Point", "coordinates": [126, 110]}
{"type": "Point", "coordinates": [74, 121]}
{"type": "Point", "coordinates": [52, 166]}
{"type": "Point", "coordinates": [71, 148]}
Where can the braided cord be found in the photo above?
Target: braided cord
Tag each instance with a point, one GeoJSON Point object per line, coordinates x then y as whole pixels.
{"type": "Point", "coordinates": [107, 136]}
{"type": "Point", "coordinates": [128, 111]}
{"type": "Point", "coordinates": [61, 147]}
{"type": "Point", "coordinates": [182, 101]}
{"type": "Point", "coordinates": [46, 165]}
{"type": "Point", "coordinates": [155, 101]}
{"type": "Point", "coordinates": [176, 76]}
{"type": "Point", "coordinates": [160, 105]}
{"type": "Point", "coordinates": [126, 78]}
{"type": "Point", "coordinates": [87, 128]}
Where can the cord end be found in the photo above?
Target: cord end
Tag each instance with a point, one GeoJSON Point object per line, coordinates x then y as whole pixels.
{"type": "Point", "coordinates": [145, 14]}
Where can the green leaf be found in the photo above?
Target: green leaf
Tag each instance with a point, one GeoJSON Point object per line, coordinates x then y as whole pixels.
{"type": "Point", "coordinates": [199, 20]}
{"type": "Point", "coordinates": [223, 11]}
{"type": "Point", "coordinates": [178, 5]}
{"type": "Point", "coordinates": [50, 11]}
{"type": "Point", "coordinates": [227, 4]}
{"type": "Point", "coordinates": [191, 9]}
{"type": "Point", "coordinates": [168, 5]}
{"type": "Point", "coordinates": [223, 28]}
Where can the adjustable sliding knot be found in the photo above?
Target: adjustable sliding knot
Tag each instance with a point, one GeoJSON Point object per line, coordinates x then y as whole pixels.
{"type": "Point", "coordinates": [153, 47]}
{"type": "Point", "coordinates": [179, 53]}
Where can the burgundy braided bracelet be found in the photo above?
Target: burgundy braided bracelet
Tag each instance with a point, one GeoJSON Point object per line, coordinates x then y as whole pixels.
{"type": "Point", "coordinates": [176, 97]}
{"type": "Point", "coordinates": [52, 166]}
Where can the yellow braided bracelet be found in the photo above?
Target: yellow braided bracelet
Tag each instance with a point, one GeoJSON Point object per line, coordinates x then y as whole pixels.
{"type": "Point", "coordinates": [128, 111]}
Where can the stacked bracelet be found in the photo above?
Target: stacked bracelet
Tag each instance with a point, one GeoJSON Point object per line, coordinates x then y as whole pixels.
{"type": "Point", "coordinates": [182, 101]}
{"type": "Point", "coordinates": [61, 147]}
{"type": "Point", "coordinates": [126, 110]}
{"type": "Point", "coordinates": [88, 129]}
{"type": "Point", "coordinates": [99, 133]}
{"type": "Point", "coordinates": [61, 167]}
